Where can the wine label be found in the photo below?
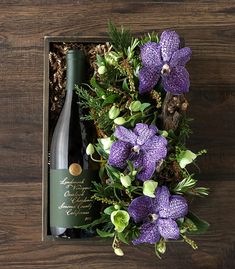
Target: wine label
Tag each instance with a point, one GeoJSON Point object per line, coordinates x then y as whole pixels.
{"type": "Point", "coordinates": [70, 198]}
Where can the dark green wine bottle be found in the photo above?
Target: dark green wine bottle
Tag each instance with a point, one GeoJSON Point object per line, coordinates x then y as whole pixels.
{"type": "Point", "coordinates": [71, 170]}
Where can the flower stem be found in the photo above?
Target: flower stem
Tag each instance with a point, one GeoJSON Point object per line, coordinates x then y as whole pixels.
{"type": "Point", "coordinates": [98, 161]}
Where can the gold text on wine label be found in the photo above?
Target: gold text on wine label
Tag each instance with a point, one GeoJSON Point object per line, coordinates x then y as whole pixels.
{"type": "Point", "coordinates": [75, 169]}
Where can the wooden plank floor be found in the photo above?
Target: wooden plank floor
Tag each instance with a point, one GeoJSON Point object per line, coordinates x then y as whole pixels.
{"type": "Point", "coordinates": [209, 29]}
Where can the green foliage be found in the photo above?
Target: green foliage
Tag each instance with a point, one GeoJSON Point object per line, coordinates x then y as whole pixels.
{"type": "Point", "coordinates": [87, 100]}
{"type": "Point", "coordinates": [202, 225]}
{"type": "Point", "coordinates": [149, 37]}
{"type": "Point", "coordinates": [185, 185]}
{"type": "Point", "coordinates": [200, 191]}
{"type": "Point", "coordinates": [104, 233]}
{"type": "Point", "coordinates": [104, 192]}
{"type": "Point", "coordinates": [120, 39]}
{"type": "Point", "coordinates": [184, 130]}
{"type": "Point", "coordinates": [91, 98]}
{"type": "Point", "coordinates": [112, 95]}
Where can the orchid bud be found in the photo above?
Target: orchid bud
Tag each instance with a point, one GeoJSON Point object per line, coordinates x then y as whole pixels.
{"type": "Point", "coordinates": [135, 106]}
{"type": "Point", "coordinates": [118, 251]}
{"type": "Point", "coordinates": [114, 112]}
{"type": "Point", "coordinates": [119, 121]}
{"type": "Point", "coordinates": [117, 207]}
{"type": "Point", "coordinates": [90, 149]}
{"type": "Point", "coordinates": [163, 133]}
{"type": "Point", "coordinates": [161, 247]}
{"type": "Point", "coordinates": [133, 173]}
{"type": "Point", "coordinates": [102, 69]}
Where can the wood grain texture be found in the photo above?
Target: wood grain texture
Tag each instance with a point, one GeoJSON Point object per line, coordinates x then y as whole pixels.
{"type": "Point", "coordinates": [209, 29]}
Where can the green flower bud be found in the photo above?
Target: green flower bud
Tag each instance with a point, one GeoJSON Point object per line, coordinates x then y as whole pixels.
{"type": "Point", "coordinates": [186, 158]}
{"type": "Point", "coordinates": [114, 112]}
{"type": "Point", "coordinates": [149, 188]}
{"type": "Point", "coordinates": [117, 207]}
{"type": "Point", "coordinates": [183, 230]}
{"type": "Point", "coordinates": [161, 247]}
{"type": "Point", "coordinates": [133, 173]}
{"type": "Point", "coordinates": [119, 121]}
{"type": "Point", "coordinates": [164, 133]}
{"type": "Point", "coordinates": [120, 219]}
{"type": "Point", "coordinates": [102, 69]}
{"type": "Point", "coordinates": [125, 180]}
{"type": "Point", "coordinates": [118, 251]}
{"type": "Point", "coordinates": [90, 149]}
{"type": "Point", "coordinates": [135, 106]}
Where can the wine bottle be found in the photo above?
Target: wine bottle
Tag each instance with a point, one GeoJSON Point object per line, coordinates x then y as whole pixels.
{"type": "Point", "coordinates": [71, 171]}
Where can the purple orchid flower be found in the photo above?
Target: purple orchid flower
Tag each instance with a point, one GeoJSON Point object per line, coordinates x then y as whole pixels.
{"type": "Point", "coordinates": [141, 146]}
{"type": "Point", "coordinates": [158, 215]}
{"type": "Point", "coordinates": [165, 60]}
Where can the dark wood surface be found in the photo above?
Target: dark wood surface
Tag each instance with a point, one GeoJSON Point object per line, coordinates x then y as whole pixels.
{"type": "Point", "coordinates": [209, 29]}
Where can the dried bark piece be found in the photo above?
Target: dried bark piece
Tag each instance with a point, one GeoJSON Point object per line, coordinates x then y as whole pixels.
{"type": "Point", "coordinates": [172, 110]}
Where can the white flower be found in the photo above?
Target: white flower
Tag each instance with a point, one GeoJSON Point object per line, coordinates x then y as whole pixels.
{"type": "Point", "coordinates": [186, 158]}
{"type": "Point", "coordinates": [149, 188]}
{"type": "Point", "coordinates": [106, 144]}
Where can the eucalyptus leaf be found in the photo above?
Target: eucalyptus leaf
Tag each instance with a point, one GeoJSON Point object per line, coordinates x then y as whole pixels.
{"type": "Point", "coordinates": [122, 237]}
{"type": "Point", "coordinates": [202, 225]}
{"type": "Point", "coordinates": [117, 185]}
{"type": "Point", "coordinates": [110, 99]}
{"type": "Point", "coordinates": [144, 106]}
{"type": "Point", "coordinates": [104, 233]}
{"type": "Point", "coordinates": [191, 226]}
{"type": "Point", "coordinates": [109, 210]}
{"type": "Point", "coordinates": [112, 172]}
{"type": "Point", "coordinates": [101, 172]}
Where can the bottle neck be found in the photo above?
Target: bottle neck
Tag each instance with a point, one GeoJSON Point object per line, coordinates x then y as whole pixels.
{"type": "Point", "coordinates": [75, 73]}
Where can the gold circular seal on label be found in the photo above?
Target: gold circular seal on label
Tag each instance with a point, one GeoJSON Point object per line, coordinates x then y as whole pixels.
{"type": "Point", "coordinates": [75, 169]}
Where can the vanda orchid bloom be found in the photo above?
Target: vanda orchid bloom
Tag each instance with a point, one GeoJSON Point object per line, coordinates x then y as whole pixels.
{"type": "Point", "coordinates": [158, 215]}
{"type": "Point", "coordinates": [166, 61]}
{"type": "Point", "coordinates": [141, 146]}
